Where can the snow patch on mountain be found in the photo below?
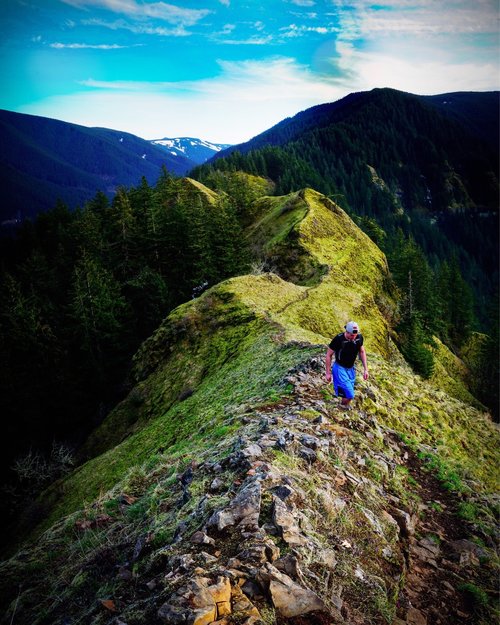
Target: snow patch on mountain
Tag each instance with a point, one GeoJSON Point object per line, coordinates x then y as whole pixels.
{"type": "Point", "coordinates": [198, 150]}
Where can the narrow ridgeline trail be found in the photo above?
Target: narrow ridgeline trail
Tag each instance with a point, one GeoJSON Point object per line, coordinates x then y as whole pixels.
{"type": "Point", "coordinates": [443, 567]}
{"type": "Point", "coordinates": [308, 515]}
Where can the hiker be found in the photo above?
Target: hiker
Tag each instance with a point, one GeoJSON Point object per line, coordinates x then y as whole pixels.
{"type": "Point", "coordinates": [346, 346]}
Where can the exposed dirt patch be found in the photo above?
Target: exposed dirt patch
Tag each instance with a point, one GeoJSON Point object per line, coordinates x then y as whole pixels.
{"type": "Point", "coordinates": [445, 565]}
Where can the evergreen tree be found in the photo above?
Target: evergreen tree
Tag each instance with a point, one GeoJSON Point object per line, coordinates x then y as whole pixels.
{"type": "Point", "coordinates": [150, 300]}
{"type": "Point", "coordinates": [123, 233]}
{"type": "Point", "coordinates": [99, 312]}
{"type": "Point", "coordinates": [229, 248]}
{"type": "Point", "coordinates": [32, 368]}
{"type": "Point", "coordinates": [460, 306]}
{"type": "Point", "coordinates": [416, 279]}
{"type": "Point", "coordinates": [488, 374]}
{"type": "Point", "coordinates": [415, 347]}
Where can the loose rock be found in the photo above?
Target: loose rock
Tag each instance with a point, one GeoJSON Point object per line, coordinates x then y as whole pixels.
{"type": "Point", "coordinates": [244, 509]}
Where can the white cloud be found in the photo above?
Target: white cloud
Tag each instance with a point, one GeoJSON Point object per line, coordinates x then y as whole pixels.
{"type": "Point", "coordinates": [303, 3]}
{"type": "Point", "coordinates": [156, 10]}
{"type": "Point", "coordinates": [81, 46]}
{"type": "Point", "coordinates": [417, 17]}
{"type": "Point", "coordinates": [273, 78]}
{"type": "Point", "coordinates": [227, 29]}
{"type": "Point", "coordinates": [296, 31]}
{"type": "Point", "coordinates": [139, 28]}
{"type": "Point", "coordinates": [244, 100]}
{"type": "Point", "coordinates": [421, 46]}
{"type": "Point", "coordinates": [430, 76]}
{"type": "Point", "coordinates": [250, 41]}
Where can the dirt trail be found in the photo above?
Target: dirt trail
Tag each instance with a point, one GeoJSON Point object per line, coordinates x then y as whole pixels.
{"type": "Point", "coordinates": [443, 559]}
{"type": "Point", "coordinates": [447, 559]}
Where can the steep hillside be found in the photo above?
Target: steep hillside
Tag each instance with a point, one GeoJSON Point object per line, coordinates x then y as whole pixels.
{"type": "Point", "coordinates": [424, 166]}
{"type": "Point", "coordinates": [476, 111]}
{"type": "Point", "coordinates": [230, 487]}
{"type": "Point", "coordinates": [44, 160]}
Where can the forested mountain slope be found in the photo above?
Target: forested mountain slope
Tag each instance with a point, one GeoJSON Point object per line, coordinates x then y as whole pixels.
{"type": "Point", "coordinates": [426, 167]}
{"type": "Point", "coordinates": [80, 290]}
{"type": "Point", "coordinates": [476, 111]}
{"type": "Point", "coordinates": [44, 160]}
{"type": "Point", "coordinates": [229, 486]}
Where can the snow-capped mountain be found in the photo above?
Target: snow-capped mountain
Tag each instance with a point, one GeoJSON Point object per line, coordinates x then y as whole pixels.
{"type": "Point", "coordinates": [196, 150]}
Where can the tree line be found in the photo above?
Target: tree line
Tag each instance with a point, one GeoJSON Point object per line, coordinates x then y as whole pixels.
{"type": "Point", "coordinates": [392, 158]}
{"type": "Point", "coordinates": [80, 290]}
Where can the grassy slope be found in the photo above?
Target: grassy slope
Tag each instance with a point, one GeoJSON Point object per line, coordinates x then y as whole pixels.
{"type": "Point", "coordinates": [221, 356]}
{"type": "Point", "coordinates": [230, 346]}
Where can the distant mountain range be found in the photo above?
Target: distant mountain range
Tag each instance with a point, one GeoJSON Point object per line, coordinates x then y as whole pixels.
{"type": "Point", "coordinates": [196, 150]}
{"type": "Point", "coordinates": [43, 160]}
{"type": "Point", "coordinates": [382, 151]}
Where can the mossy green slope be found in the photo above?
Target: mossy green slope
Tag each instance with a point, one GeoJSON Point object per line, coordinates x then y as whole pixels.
{"type": "Point", "coordinates": [235, 343]}
{"type": "Point", "coordinates": [351, 278]}
{"type": "Point", "coordinates": [196, 189]}
{"type": "Point", "coordinates": [226, 347]}
{"type": "Point", "coordinates": [224, 354]}
{"type": "Point", "coordinates": [213, 368]}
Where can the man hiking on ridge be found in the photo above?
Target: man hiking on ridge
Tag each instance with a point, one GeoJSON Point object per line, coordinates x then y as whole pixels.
{"type": "Point", "coordinates": [346, 346]}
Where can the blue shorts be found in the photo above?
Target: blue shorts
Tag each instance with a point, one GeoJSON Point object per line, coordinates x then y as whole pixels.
{"type": "Point", "coordinates": [343, 381]}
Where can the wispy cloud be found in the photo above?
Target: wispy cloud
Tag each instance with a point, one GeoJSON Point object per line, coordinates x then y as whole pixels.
{"type": "Point", "coordinates": [417, 17]}
{"type": "Point", "coordinates": [156, 10]}
{"type": "Point", "coordinates": [243, 100]}
{"type": "Point", "coordinates": [238, 81]}
{"type": "Point", "coordinates": [93, 46]}
{"type": "Point", "coordinates": [420, 46]}
{"type": "Point", "coordinates": [139, 28]}
{"type": "Point", "coordinates": [137, 85]}
{"type": "Point", "coordinates": [303, 3]}
{"type": "Point", "coordinates": [435, 75]}
{"type": "Point", "coordinates": [227, 29]}
{"type": "Point", "coordinates": [297, 31]}
{"type": "Point", "coordinates": [249, 41]}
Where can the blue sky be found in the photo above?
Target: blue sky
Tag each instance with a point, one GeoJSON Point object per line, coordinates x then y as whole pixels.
{"type": "Point", "coordinates": [226, 70]}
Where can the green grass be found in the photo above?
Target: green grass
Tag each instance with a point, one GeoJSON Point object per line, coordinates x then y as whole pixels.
{"type": "Point", "coordinates": [468, 511]}
{"type": "Point", "coordinates": [446, 474]}
{"type": "Point", "coordinates": [234, 347]}
{"type": "Point", "coordinates": [241, 360]}
{"type": "Point", "coordinates": [475, 596]}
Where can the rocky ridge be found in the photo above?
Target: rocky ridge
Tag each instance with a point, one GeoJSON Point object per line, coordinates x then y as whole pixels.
{"type": "Point", "coordinates": [228, 486]}
{"type": "Point", "coordinates": [310, 515]}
